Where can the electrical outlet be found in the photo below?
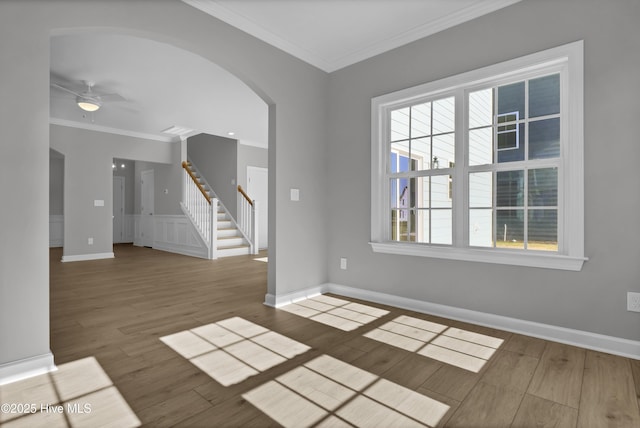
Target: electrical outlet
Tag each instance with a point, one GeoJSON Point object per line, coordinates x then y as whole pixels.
{"type": "Point", "coordinates": [90, 241]}
{"type": "Point", "coordinates": [343, 263]}
{"type": "Point", "coordinates": [633, 301]}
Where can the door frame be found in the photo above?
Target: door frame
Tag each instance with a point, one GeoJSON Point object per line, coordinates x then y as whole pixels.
{"type": "Point", "coordinates": [147, 188]}
{"type": "Point", "coordinates": [121, 183]}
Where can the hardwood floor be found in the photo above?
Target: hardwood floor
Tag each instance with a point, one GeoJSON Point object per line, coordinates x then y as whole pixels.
{"type": "Point", "coordinates": [117, 310]}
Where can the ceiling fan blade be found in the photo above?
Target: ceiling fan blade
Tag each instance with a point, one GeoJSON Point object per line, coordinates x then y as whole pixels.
{"type": "Point", "coordinates": [112, 98]}
{"type": "Point", "coordinates": [55, 85]}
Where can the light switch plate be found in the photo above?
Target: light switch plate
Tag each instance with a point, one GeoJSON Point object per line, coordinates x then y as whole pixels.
{"type": "Point", "coordinates": [295, 194]}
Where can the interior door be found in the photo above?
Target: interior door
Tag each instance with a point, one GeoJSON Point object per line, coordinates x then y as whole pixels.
{"type": "Point", "coordinates": [118, 209]}
{"type": "Point", "coordinates": [258, 189]}
{"type": "Point", "coordinates": [147, 207]}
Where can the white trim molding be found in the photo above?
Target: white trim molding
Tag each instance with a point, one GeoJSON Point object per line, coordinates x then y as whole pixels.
{"type": "Point", "coordinates": [25, 368]}
{"type": "Point", "coordinates": [584, 339]}
{"type": "Point", "coordinates": [288, 298]}
{"type": "Point", "coordinates": [504, 257]}
{"type": "Point", "coordinates": [84, 257]}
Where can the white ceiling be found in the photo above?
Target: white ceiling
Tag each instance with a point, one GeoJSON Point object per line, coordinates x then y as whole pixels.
{"type": "Point", "coordinates": [165, 86]}
{"type": "Point", "coordinates": [332, 34]}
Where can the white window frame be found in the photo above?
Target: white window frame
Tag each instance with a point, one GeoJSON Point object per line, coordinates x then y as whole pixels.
{"type": "Point", "coordinates": [568, 60]}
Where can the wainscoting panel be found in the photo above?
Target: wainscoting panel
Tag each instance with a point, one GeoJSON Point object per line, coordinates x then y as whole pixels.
{"type": "Point", "coordinates": [176, 234]}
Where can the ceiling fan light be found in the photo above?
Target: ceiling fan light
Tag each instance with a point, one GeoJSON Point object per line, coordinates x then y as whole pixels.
{"type": "Point", "coordinates": [88, 104]}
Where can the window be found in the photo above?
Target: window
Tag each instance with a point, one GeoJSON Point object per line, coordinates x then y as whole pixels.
{"type": "Point", "coordinates": [484, 166]}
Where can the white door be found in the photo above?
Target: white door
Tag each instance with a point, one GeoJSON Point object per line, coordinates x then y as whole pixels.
{"type": "Point", "coordinates": [258, 189]}
{"type": "Point", "coordinates": [118, 209]}
{"type": "Point", "coordinates": [147, 207]}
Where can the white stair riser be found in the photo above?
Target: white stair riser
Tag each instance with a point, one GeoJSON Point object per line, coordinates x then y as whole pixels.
{"type": "Point", "coordinates": [227, 233]}
{"type": "Point", "coordinates": [230, 252]}
{"type": "Point", "coordinates": [230, 242]}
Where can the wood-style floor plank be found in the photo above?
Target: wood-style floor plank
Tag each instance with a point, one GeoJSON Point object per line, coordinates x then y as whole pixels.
{"type": "Point", "coordinates": [540, 413]}
{"type": "Point", "coordinates": [117, 310]}
{"type": "Point", "coordinates": [608, 393]}
{"type": "Point", "coordinates": [559, 374]}
{"type": "Point", "coordinates": [488, 406]}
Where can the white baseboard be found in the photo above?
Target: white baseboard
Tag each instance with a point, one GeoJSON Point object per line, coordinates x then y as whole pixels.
{"type": "Point", "coordinates": [83, 257]}
{"type": "Point", "coordinates": [285, 299]}
{"type": "Point", "coordinates": [584, 339]}
{"type": "Point", "coordinates": [28, 367]}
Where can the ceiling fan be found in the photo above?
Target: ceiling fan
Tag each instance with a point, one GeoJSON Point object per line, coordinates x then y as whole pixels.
{"type": "Point", "coordinates": [89, 99]}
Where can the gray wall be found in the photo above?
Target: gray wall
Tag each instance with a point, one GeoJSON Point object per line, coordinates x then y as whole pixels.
{"type": "Point", "coordinates": [250, 156]}
{"type": "Point", "coordinates": [297, 98]}
{"type": "Point", "coordinates": [216, 159]}
{"type": "Point", "coordinates": [56, 183]}
{"type": "Point", "coordinates": [88, 177]}
{"type": "Point", "coordinates": [594, 299]}
{"type": "Point", "coordinates": [166, 177]}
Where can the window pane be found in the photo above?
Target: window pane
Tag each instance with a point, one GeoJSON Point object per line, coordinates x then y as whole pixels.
{"type": "Point", "coordinates": [441, 230]}
{"type": "Point", "coordinates": [544, 96]}
{"type": "Point", "coordinates": [443, 151]}
{"type": "Point", "coordinates": [399, 221]}
{"type": "Point", "coordinates": [481, 146]}
{"type": "Point", "coordinates": [543, 187]}
{"type": "Point", "coordinates": [399, 192]}
{"type": "Point", "coordinates": [400, 124]}
{"type": "Point", "coordinates": [510, 229]}
{"type": "Point", "coordinates": [510, 189]}
{"type": "Point", "coordinates": [422, 191]}
{"type": "Point", "coordinates": [440, 191]}
{"type": "Point", "coordinates": [481, 108]}
{"type": "Point", "coordinates": [481, 228]}
{"type": "Point", "coordinates": [421, 154]}
{"type": "Point", "coordinates": [399, 162]}
{"type": "Point", "coordinates": [513, 153]}
{"type": "Point", "coordinates": [508, 137]}
{"type": "Point", "coordinates": [421, 120]}
{"type": "Point", "coordinates": [511, 99]}
{"type": "Point", "coordinates": [544, 139]}
{"type": "Point", "coordinates": [543, 230]}
{"type": "Point", "coordinates": [422, 226]}
{"type": "Point", "coordinates": [412, 226]}
{"type": "Point", "coordinates": [481, 190]}
{"type": "Point", "coordinates": [443, 116]}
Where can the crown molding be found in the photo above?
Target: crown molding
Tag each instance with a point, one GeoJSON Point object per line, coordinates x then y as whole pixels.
{"type": "Point", "coordinates": [329, 65]}
{"type": "Point", "coordinates": [109, 130]}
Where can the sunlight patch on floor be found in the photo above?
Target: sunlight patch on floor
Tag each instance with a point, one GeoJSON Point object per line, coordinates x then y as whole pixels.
{"type": "Point", "coordinates": [338, 313]}
{"type": "Point", "coordinates": [234, 349]}
{"type": "Point", "coordinates": [326, 392]}
{"type": "Point", "coordinates": [77, 394]}
{"type": "Point", "coordinates": [262, 259]}
{"type": "Point", "coordinates": [460, 348]}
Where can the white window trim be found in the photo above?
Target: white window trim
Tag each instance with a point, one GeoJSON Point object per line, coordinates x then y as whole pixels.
{"type": "Point", "coordinates": [571, 256]}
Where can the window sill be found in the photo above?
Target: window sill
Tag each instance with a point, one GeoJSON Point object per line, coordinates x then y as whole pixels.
{"type": "Point", "coordinates": [530, 259]}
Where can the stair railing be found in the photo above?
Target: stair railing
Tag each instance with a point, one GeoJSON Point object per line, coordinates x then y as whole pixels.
{"type": "Point", "coordinates": [248, 219]}
{"type": "Point", "coordinates": [202, 208]}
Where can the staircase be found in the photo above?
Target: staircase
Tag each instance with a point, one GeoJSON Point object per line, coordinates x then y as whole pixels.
{"type": "Point", "coordinates": [199, 196]}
